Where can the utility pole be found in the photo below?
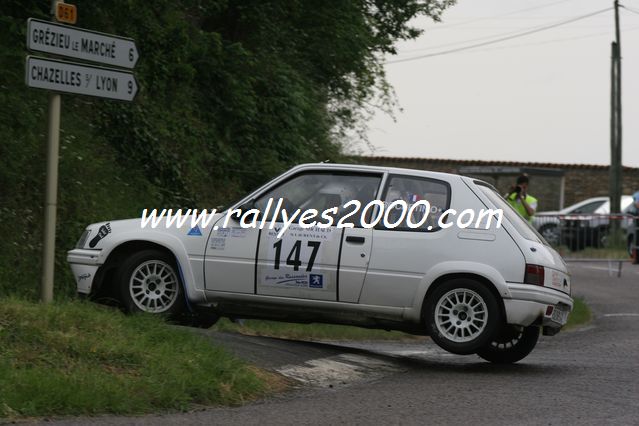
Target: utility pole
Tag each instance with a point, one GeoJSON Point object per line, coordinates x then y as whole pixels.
{"type": "Point", "coordinates": [615, 120]}
{"type": "Point", "coordinates": [51, 194]}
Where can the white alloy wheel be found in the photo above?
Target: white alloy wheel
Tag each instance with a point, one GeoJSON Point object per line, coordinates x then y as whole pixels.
{"type": "Point", "coordinates": [153, 286]}
{"type": "Point", "coordinates": [461, 315]}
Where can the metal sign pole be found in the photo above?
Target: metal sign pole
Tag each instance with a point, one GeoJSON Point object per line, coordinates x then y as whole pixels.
{"type": "Point", "coordinates": [51, 195]}
{"type": "Point", "coordinates": [51, 198]}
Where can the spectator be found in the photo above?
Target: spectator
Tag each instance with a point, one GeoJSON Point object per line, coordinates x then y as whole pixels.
{"type": "Point", "coordinates": [518, 197]}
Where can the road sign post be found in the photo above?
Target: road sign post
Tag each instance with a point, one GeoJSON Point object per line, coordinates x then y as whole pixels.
{"type": "Point", "coordinates": [51, 194]}
{"type": "Point", "coordinates": [51, 198]}
{"type": "Point", "coordinates": [68, 77]}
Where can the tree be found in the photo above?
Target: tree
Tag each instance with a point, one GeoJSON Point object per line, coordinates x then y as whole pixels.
{"type": "Point", "coordinates": [232, 93]}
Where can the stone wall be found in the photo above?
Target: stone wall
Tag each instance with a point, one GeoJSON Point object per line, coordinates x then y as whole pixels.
{"type": "Point", "coordinates": [581, 181]}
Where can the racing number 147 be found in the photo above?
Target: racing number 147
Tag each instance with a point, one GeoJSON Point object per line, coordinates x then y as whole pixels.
{"type": "Point", "coordinates": [293, 258]}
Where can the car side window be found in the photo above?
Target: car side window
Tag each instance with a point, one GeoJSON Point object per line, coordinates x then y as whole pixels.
{"type": "Point", "coordinates": [414, 191]}
{"type": "Point", "coordinates": [588, 208]}
{"type": "Point", "coordinates": [321, 191]}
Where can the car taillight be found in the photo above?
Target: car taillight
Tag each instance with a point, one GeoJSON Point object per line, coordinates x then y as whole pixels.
{"type": "Point", "coordinates": [534, 274]}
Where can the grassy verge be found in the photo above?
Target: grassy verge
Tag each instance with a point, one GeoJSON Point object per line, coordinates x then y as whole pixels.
{"type": "Point", "coordinates": [580, 314]}
{"type": "Point", "coordinates": [83, 359]}
{"type": "Point", "coordinates": [314, 331]}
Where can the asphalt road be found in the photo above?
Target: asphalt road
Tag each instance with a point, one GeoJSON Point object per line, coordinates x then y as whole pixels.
{"type": "Point", "coordinates": [586, 376]}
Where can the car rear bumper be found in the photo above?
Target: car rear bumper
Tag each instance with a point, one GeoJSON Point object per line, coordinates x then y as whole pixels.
{"type": "Point", "coordinates": [530, 304]}
{"type": "Point", "coordinates": [84, 264]}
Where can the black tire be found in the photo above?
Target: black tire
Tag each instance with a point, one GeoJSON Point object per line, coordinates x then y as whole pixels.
{"type": "Point", "coordinates": [576, 241]}
{"type": "Point", "coordinates": [149, 282]}
{"type": "Point", "coordinates": [198, 319]}
{"type": "Point", "coordinates": [462, 327]}
{"type": "Point", "coordinates": [600, 237]}
{"type": "Point", "coordinates": [513, 344]}
{"type": "Point", "coordinates": [206, 320]}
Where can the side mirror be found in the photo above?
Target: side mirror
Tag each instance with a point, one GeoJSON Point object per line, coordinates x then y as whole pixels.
{"type": "Point", "coordinates": [243, 209]}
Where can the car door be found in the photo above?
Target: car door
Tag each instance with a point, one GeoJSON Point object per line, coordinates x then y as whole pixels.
{"type": "Point", "coordinates": [229, 261]}
{"type": "Point", "coordinates": [312, 258]}
{"type": "Point", "coordinates": [400, 254]}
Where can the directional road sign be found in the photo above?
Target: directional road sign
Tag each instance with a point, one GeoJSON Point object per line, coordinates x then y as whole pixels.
{"type": "Point", "coordinates": [69, 77]}
{"type": "Point", "coordinates": [58, 39]}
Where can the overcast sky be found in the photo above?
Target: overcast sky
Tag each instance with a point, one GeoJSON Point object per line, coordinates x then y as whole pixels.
{"type": "Point", "coordinates": [544, 97]}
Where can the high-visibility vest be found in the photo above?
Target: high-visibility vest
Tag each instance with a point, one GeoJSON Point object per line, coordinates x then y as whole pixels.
{"type": "Point", "coordinates": [514, 201]}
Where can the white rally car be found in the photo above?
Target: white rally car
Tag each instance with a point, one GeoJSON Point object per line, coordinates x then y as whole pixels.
{"type": "Point", "coordinates": [486, 289]}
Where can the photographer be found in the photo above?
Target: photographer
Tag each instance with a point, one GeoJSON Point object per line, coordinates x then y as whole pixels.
{"type": "Point", "coordinates": [518, 197]}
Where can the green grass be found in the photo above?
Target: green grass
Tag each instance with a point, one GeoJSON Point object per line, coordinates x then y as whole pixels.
{"type": "Point", "coordinates": [580, 314]}
{"type": "Point", "coordinates": [315, 331]}
{"type": "Point", "coordinates": [83, 359]}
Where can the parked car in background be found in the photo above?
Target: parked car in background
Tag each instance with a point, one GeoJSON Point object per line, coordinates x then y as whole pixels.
{"type": "Point", "coordinates": [579, 231]}
{"type": "Point", "coordinates": [548, 223]}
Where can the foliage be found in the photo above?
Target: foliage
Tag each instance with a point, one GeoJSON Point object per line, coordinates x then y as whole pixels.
{"type": "Point", "coordinates": [232, 93]}
{"type": "Point", "coordinates": [580, 314]}
{"type": "Point", "coordinates": [314, 331]}
{"type": "Point", "coordinates": [81, 358]}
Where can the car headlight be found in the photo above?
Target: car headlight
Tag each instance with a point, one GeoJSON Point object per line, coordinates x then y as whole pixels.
{"type": "Point", "coordinates": [83, 239]}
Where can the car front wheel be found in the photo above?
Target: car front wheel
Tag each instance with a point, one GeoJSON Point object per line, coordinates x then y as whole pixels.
{"type": "Point", "coordinates": [513, 344]}
{"type": "Point", "coordinates": [462, 316]}
{"type": "Point", "coordinates": [149, 283]}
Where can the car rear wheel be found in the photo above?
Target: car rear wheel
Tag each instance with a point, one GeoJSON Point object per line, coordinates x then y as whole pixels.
{"type": "Point", "coordinates": [513, 344]}
{"type": "Point", "coordinates": [462, 316]}
{"type": "Point", "coordinates": [149, 283]}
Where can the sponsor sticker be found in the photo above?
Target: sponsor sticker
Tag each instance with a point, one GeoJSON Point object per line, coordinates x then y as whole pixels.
{"type": "Point", "coordinates": [316, 281]}
{"type": "Point", "coordinates": [286, 280]}
{"type": "Point", "coordinates": [102, 232]}
{"type": "Point", "coordinates": [217, 243]}
{"type": "Point", "coordinates": [238, 232]}
{"type": "Point", "coordinates": [195, 231]}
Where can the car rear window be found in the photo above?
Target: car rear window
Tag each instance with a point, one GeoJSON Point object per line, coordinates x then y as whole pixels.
{"type": "Point", "coordinates": [410, 190]}
{"type": "Point", "coordinates": [522, 226]}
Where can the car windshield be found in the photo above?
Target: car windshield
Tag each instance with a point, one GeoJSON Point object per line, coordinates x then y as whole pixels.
{"type": "Point", "coordinates": [521, 225]}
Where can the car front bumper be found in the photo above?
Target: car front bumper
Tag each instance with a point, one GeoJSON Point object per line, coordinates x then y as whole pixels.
{"type": "Point", "coordinates": [531, 304]}
{"type": "Point", "coordinates": [84, 264]}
